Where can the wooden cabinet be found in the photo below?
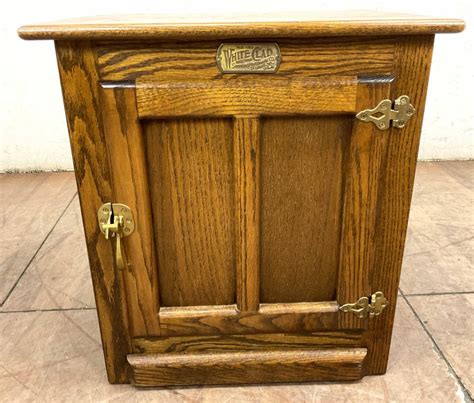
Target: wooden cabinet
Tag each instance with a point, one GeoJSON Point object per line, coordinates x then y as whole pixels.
{"type": "Point", "coordinates": [253, 208]}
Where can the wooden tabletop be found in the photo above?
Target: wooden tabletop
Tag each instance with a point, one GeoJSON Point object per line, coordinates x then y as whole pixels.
{"type": "Point", "coordinates": [175, 27]}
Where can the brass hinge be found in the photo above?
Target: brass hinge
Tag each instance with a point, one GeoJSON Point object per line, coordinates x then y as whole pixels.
{"type": "Point", "coordinates": [383, 113]}
{"type": "Point", "coordinates": [367, 306]}
{"type": "Point", "coordinates": [116, 220]}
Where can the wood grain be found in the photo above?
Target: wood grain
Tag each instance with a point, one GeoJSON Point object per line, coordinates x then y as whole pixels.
{"type": "Point", "coordinates": [365, 157]}
{"type": "Point", "coordinates": [126, 150]}
{"type": "Point", "coordinates": [93, 175]}
{"type": "Point", "coordinates": [322, 57]}
{"type": "Point", "coordinates": [252, 342]}
{"type": "Point", "coordinates": [190, 171]}
{"type": "Point", "coordinates": [301, 170]}
{"type": "Point", "coordinates": [247, 367]}
{"type": "Point", "coordinates": [264, 95]}
{"type": "Point", "coordinates": [271, 318]}
{"type": "Point", "coordinates": [247, 208]}
{"type": "Point", "coordinates": [412, 67]}
{"type": "Point", "coordinates": [296, 25]}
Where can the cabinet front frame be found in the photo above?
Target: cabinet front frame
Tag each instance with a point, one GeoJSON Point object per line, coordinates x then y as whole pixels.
{"type": "Point", "coordinates": [85, 108]}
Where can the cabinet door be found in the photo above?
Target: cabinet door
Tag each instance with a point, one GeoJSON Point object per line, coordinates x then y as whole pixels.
{"type": "Point", "coordinates": [254, 198]}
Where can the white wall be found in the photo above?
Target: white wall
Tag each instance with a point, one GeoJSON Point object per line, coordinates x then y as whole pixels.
{"type": "Point", "coordinates": [32, 124]}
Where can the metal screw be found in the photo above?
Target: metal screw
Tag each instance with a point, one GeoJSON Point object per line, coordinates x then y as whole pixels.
{"type": "Point", "coordinates": [106, 210]}
{"type": "Point", "coordinates": [381, 125]}
{"type": "Point", "coordinates": [126, 229]}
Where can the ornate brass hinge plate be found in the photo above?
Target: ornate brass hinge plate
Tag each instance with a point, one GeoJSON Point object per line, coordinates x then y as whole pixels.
{"type": "Point", "coordinates": [383, 113]}
{"type": "Point", "coordinates": [116, 220]}
{"type": "Point", "coordinates": [367, 306]}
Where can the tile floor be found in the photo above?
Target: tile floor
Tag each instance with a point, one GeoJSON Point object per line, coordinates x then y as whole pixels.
{"type": "Point", "coordinates": [49, 340]}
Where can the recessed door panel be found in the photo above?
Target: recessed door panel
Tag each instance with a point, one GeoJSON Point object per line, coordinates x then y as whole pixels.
{"type": "Point", "coordinates": [301, 206]}
{"type": "Point", "coordinates": [190, 173]}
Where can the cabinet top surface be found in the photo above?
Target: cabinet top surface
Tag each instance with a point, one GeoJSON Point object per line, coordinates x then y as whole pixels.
{"type": "Point", "coordinates": [189, 27]}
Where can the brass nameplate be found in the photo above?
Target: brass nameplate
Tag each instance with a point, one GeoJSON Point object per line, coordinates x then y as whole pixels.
{"type": "Point", "coordinates": [248, 57]}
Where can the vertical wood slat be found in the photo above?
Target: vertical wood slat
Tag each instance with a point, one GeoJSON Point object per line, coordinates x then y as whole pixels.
{"type": "Point", "coordinates": [364, 160]}
{"type": "Point", "coordinates": [126, 153]}
{"type": "Point", "coordinates": [247, 183]}
{"type": "Point", "coordinates": [79, 79]}
{"type": "Point", "coordinates": [412, 69]}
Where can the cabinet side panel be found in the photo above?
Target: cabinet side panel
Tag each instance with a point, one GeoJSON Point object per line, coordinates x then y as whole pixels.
{"type": "Point", "coordinates": [79, 83]}
{"type": "Point", "coordinates": [301, 178]}
{"type": "Point", "coordinates": [412, 67]}
{"type": "Point", "coordinates": [190, 168]}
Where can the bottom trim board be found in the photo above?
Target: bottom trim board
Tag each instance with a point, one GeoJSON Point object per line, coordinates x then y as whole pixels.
{"type": "Point", "coordinates": [247, 342]}
{"type": "Point", "coordinates": [296, 365]}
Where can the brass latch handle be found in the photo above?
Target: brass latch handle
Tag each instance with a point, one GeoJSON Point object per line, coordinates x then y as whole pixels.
{"type": "Point", "coordinates": [116, 220]}
{"type": "Point", "coordinates": [367, 306]}
{"type": "Point", "coordinates": [118, 253]}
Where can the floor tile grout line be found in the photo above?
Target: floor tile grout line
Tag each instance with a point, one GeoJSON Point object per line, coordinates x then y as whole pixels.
{"type": "Point", "coordinates": [51, 310]}
{"type": "Point", "coordinates": [37, 251]}
{"type": "Point", "coordinates": [466, 392]}
{"type": "Point", "coordinates": [429, 294]}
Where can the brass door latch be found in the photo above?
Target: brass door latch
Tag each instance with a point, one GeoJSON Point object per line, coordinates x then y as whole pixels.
{"type": "Point", "coordinates": [116, 220]}
{"type": "Point", "coordinates": [367, 306]}
{"type": "Point", "coordinates": [383, 113]}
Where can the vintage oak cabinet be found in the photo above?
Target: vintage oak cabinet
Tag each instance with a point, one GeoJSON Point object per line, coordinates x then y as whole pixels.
{"type": "Point", "coordinates": [245, 187]}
